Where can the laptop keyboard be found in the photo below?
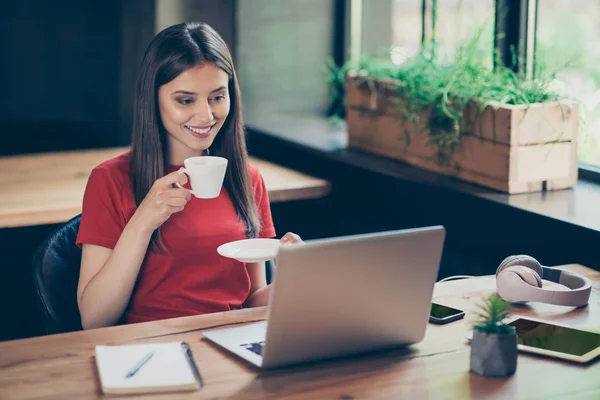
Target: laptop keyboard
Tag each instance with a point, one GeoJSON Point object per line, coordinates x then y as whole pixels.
{"type": "Point", "coordinates": [255, 347]}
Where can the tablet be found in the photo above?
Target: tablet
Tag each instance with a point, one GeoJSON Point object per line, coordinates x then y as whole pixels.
{"type": "Point", "coordinates": [555, 340]}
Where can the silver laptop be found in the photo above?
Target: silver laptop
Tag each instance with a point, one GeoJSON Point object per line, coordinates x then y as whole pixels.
{"type": "Point", "coordinates": [342, 296]}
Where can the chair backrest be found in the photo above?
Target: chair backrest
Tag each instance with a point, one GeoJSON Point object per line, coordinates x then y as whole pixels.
{"type": "Point", "coordinates": [270, 270]}
{"type": "Point", "coordinates": [56, 267]}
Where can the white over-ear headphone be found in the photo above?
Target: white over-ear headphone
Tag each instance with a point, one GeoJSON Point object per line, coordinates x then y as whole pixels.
{"type": "Point", "coordinates": [519, 279]}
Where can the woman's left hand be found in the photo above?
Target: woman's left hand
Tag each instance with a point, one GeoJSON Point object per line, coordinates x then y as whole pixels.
{"type": "Point", "coordinates": [291, 237]}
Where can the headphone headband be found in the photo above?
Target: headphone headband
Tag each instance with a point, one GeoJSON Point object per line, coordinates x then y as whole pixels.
{"type": "Point", "coordinates": [515, 283]}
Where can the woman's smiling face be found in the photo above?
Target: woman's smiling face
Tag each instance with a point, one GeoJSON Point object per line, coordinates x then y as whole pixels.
{"type": "Point", "coordinates": [193, 108]}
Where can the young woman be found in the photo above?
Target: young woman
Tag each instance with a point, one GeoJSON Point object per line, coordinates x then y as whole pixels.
{"type": "Point", "coordinates": [149, 249]}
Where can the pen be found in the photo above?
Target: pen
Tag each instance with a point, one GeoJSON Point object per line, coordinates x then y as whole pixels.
{"type": "Point", "coordinates": [139, 365]}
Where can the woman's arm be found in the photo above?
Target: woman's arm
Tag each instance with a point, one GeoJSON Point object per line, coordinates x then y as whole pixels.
{"type": "Point", "coordinates": [107, 277]}
{"type": "Point", "coordinates": [259, 290]}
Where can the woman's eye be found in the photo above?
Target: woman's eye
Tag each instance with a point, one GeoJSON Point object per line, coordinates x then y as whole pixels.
{"type": "Point", "coordinates": [218, 98]}
{"type": "Point", "coordinates": [185, 102]}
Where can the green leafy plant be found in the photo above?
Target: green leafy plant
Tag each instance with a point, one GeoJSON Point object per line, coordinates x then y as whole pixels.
{"type": "Point", "coordinates": [438, 88]}
{"type": "Point", "coordinates": [492, 314]}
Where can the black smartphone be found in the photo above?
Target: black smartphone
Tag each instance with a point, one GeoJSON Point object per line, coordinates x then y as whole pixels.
{"type": "Point", "coordinates": [443, 314]}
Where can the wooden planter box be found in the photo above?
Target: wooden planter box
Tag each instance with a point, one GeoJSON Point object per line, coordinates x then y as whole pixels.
{"type": "Point", "coordinates": [513, 149]}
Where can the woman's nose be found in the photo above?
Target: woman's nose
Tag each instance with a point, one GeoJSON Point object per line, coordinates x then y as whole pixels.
{"type": "Point", "coordinates": [204, 112]}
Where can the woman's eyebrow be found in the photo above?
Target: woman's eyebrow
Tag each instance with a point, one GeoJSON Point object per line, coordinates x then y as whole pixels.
{"type": "Point", "coordinates": [194, 93]}
{"type": "Point", "coordinates": [183, 92]}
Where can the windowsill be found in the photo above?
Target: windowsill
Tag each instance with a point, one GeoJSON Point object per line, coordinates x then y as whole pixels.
{"type": "Point", "coordinates": [315, 134]}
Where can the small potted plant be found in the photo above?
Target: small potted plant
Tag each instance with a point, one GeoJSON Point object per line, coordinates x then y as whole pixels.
{"type": "Point", "coordinates": [494, 343]}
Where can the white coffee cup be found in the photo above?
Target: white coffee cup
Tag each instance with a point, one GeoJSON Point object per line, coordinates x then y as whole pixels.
{"type": "Point", "coordinates": [206, 174]}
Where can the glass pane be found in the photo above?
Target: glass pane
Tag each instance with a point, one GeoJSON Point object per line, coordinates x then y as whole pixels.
{"type": "Point", "coordinates": [567, 40]}
{"type": "Point", "coordinates": [406, 29]}
{"type": "Point", "coordinates": [458, 21]}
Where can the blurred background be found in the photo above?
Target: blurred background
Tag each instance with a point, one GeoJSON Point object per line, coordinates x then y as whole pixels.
{"type": "Point", "coordinates": [69, 67]}
{"type": "Point", "coordinates": [68, 72]}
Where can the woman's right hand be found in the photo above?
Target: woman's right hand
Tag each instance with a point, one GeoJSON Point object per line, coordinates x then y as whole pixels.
{"type": "Point", "coordinates": [162, 201]}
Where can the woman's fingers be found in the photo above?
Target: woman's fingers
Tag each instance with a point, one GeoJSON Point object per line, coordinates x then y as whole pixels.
{"type": "Point", "coordinates": [176, 192]}
{"type": "Point", "coordinates": [175, 209]}
{"type": "Point", "coordinates": [173, 197]}
{"type": "Point", "coordinates": [176, 201]}
{"type": "Point", "coordinates": [169, 180]}
{"type": "Point", "coordinates": [291, 237]}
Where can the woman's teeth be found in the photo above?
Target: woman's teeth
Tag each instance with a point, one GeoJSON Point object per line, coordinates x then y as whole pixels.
{"type": "Point", "coordinates": [200, 131]}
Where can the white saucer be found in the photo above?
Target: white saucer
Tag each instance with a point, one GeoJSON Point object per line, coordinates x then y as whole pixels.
{"type": "Point", "coordinates": [250, 250]}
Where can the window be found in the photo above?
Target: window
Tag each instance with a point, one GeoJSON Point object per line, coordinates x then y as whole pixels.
{"type": "Point", "coordinates": [567, 39]}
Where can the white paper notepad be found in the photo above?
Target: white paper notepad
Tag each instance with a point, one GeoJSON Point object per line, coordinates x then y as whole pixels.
{"type": "Point", "coordinates": [171, 368]}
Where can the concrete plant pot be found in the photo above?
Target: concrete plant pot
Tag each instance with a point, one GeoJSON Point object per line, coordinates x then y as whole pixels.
{"type": "Point", "coordinates": [492, 354]}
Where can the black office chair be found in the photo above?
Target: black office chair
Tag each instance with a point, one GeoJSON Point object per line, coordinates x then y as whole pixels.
{"type": "Point", "coordinates": [270, 269]}
{"type": "Point", "coordinates": [56, 267]}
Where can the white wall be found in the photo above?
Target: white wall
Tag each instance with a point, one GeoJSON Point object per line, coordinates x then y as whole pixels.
{"type": "Point", "coordinates": [217, 13]}
{"type": "Point", "coordinates": [282, 50]}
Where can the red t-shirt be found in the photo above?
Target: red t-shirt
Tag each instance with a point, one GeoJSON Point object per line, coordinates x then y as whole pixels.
{"type": "Point", "coordinates": [191, 278]}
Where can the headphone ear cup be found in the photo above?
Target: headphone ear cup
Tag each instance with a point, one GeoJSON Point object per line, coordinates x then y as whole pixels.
{"type": "Point", "coordinates": [510, 280]}
{"type": "Point", "coordinates": [521, 260]}
{"type": "Point", "coordinates": [505, 264]}
{"type": "Point", "coordinates": [531, 277]}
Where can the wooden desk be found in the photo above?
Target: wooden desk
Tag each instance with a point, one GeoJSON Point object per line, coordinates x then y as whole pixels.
{"type": "Point", "coordinates": [48, 188]}
{"type": "Point", "coordinates": [63, 366]}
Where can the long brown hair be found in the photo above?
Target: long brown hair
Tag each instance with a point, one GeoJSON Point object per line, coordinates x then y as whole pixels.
{"type": "Point", "coordinates": [171, 52]}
